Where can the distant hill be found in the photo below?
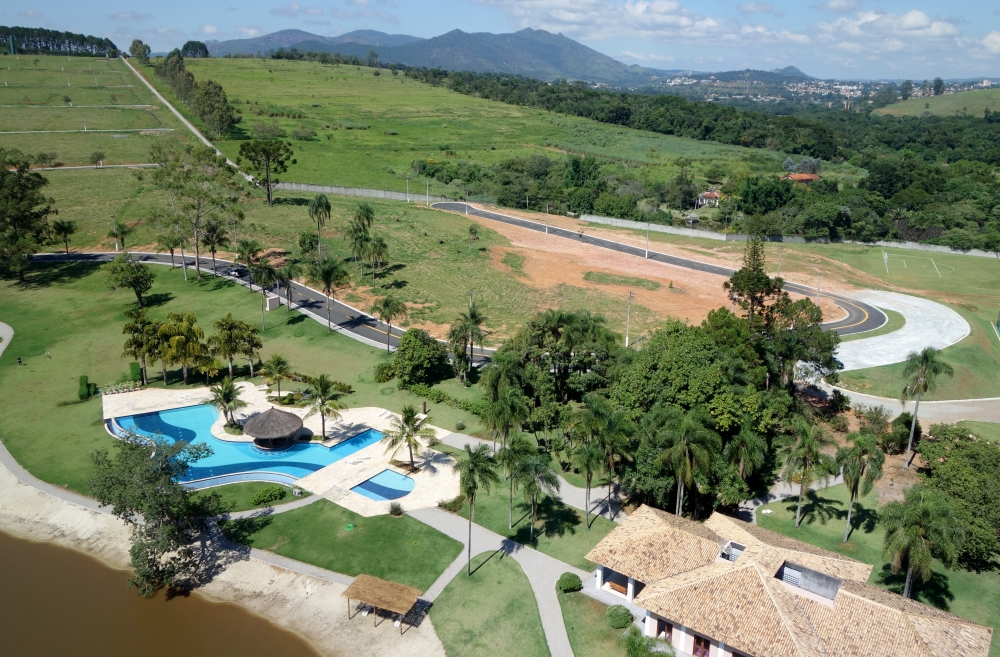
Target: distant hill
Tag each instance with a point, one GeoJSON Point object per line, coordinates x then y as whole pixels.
{"type": "Point", "coordinates": [973, 103]}
{"type": "Point", "coordinates": [293, 38]}
{"type": "Point", "coordinates": [776, 76]}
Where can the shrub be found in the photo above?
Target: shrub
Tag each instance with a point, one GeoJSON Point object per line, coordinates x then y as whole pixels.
{"type": "Point", "coordinates": [460, 426]}
{"type": "Point", "coordinates": [418, 356]}
{"type": "Point", "coordinates": [569, 582]}
{"type": "Point", "coordinates": [840, 402]}
{"type": "Point", "coordinates": [454, 505]}
{"type": "Point", "coordinates": [619, 617]}
{"type": "Point", "coordinates": [395, 509]}
{"type": "Point", "coordinates": [839, 423]}
{"type": "Point", "coordinates": [303, 133]}
{"type": "Point", "coordinates": [384, 372]}
{"type": "Point", "coordinates": [84, 392]}
{"type": "Point", "coordinates": [267, 495]}
{"type": "Point", "coordinates": [134, 371]}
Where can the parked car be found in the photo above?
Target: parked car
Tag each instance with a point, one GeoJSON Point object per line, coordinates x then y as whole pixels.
{"type": "Point", "coordinates": [236, 272]}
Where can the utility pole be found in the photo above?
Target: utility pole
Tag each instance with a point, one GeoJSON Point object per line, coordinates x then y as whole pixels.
{"type": "Point", "coordinates": [115, 232]}
{"type": "Point", "coordinates": [781, 247]}
{"type": "Point", "coordinates": [467, 202]}
{"type": "Point", "coordinates": [647, 239]}
{"type": "Point", "coordinates": [407, 189]}
{"type": "Point", "coordinates": [628, 316]}
{"type": "Point", "coordinates": [525, 201]}
{"type": "Point", "coordinates": [819, 285]}
{"type": "Point", "coordinates": [428, 193]}
{"type": "Point", "coordinates": [470, 299]}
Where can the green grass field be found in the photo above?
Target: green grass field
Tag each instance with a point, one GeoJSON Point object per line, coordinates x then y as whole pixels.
{"type": "Point", "coordinates": [966, 102]}
{"type": "Point", "coordinates": [236, 497]}
{"type": "Point", "coordinates": [986, 430]}
{"type": "Point", "coordinates": [894, 323]}
{"type": "Point", "coordinates": [587, 626]}
{"type": "Point", "coordinates": [490, 614]}
{"type": "Point", "coordinates": [400, 549]}
{"type": "Point", "coordinates": [975, 596]}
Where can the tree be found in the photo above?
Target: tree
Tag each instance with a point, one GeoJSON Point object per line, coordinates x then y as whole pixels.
{"type": "Point", "coordinates": [208, 366]}
{"type": "Point", "coordinates": [510, 457]}
{"type": "Point", "coordinates": [214, 237]}
{"type": "Point", "coordinates": [690, 450]}
{"type": "Point", "coordinates": [247, 252]}
{"type": "Point", "coordinates": [418, 357]}
{"type": "Point", "coordinates": [918, 530]}
{"type": "Point", "coordinates": [476, 471]}
{"type": "Point", "coordinates": [938, 86]}
{"type": "Point", "coordinates": [210, 103]}
{"type": "Point", "coordinates": [589, 458]}
{"type": "Point", "coordinates": [141, 342]}
{"type": "Point", "coordinates": [473, 320]}
{"type": "Point", "coordinates": [746, 450]}
{"type": "Point", "coordinates": [226, 398]}
{"type": "Point", "coordinates": [610, 427]}
{"type": "Point", "coordinates": [458, 343]}
{"type": "Point", "coordinates": [286, 276]}
{"type": "Point", "coordinates": [250, 343]}
{"type": "Point", "coordinates": [760, 195]}
{"type": "Point", "coordinates": [406, 431]}
{"type": "Point", "coordinates": [140, 51]}
{"type": "Point", "coordinates": [266, 158]}
{"type": "Point", "coordinates": [536, 478]}
{"type": "Point", "coordinates": [750, 286]}
{"type": "Point", "coordinates": [906, 89]}
{"type": "Point", "coordinates": [319, 212]}
{"type": "Point", "coordinates": [473, 234]}
{"type": "Point", "coordinates": [230, 338]}
{"type": "Point", "coordinates": [861, 465]}
{"type": "Point", "coordinates": [389, 309]}
{"type": "Point", "coordinates": [805, 459]}
{"type": "Point", "coordinates": [325, 401]}
{"type": "Point", "coordinates": [182, 339]}
{"type": "Point", "coordinates": [125, 272]}
{"type": "Point", "coordinates": [504, 412]}
{"type": "Point", "coordinates": [636, 644]}
{"type": "Point", "coordinates": [64, 230]}
{"type": "Point", "coordinates": [275, 370]}
{"type": "Point", "coordinates": [330, 276]}
{"type": "Point", "coordinates": [168, 242]}
{"type": "Point", "coordinates": [119, 231]}
{"type": "Point", "coordinates": [921, 373]}
{"type": "Point", "coordinates": [142, 487]}
{"type": "Point", "coordinates": [376, 250]}
{"type": "Point", "coordinates": [194, 49]}
{"type": "Point", "coordinates": [266, 276]}
{"type": "Point", "coordinates": [24, 211]}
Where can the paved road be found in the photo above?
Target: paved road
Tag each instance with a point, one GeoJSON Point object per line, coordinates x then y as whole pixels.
{"type": "Point", "coordinates": [931, 412]}
{"type": "Point", "coordinates": [861, 316]}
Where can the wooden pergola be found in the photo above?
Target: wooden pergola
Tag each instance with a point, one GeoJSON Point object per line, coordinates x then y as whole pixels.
{"type": "Point", "coordinates": [381, 594]}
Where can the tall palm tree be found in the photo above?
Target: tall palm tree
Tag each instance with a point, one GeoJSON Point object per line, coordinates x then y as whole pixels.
{"type": "Point", "coordinates": [319, 212]}
{"type": "Point", "coordinates": [376, 250]}
{"type": "Point", "coordinates": [286, 277]}
{"type": "Point", "coordinates": [214, 237]}
{"type": "Point", "coordinates": [275, 370]}
{"type": "Point", "coordinates": [458, 343]}
{"type": "Point", "coordinates": [473, 321]}
{"type": "Point", "coordinates": [589, 458]}
{"type": "Point", "coordinates": [250, 343]}
{"type": "Point", "coordinates": [183, 340]}
{"type": "Point", "coordinates": [921, 373]}
{"type": "Point", "coordinates": [505, 412]}
{"type": "Point", "coordinates": [357, 237]}
{"type": "Point", "coordinates": [636, 644]}
{"type": "Point", "coordinates": [917, 530]}
{"type": "Point", "coordinates": [407, 430]}
{"type": "Point", "coordinates": [510, 458]}
{"type": "Point", "coordinates": [266, 276]}
{"type": "Point", "coordinates": [389, 309]}
{"type": "Point", "coordinates": [536, 478]}
{"type": "Point", "coordinates": [120, 230]}
{"type": "Point", "coordinates": [610, 428]}
{"type": "Point", "coordinates": [325, 400]}
{"type": "Point", "coordinates": [690, 448]}
{"type": "Point", "coordinates": [247, 252]}
{"type": "Point", "coordinates": [226, 398]}
{"type": "Point", "coordinates": [861, 464]}
{"type": "Point", "coordinates": [746, 450]}
{"type": "Point", "coordinates": [476, 471]}
{"type": "Point", "coordinates": [229, 338]}
{"type": "Point", "coordinates": [138, 344]}
{"type": "Point", "coordinates": [364, 216]}
{"type": "Point", "coordinates": [64, 229]}
{"type": "Point", "coordinates": [168, 242]}
{"type": "Point", "coordinates": [329, 276]}
{"type": "Point", "coordinates": [804, 458]}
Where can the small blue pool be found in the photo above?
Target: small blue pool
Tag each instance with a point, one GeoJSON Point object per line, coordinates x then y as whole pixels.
{"type": "Point", "coordinates": [193, 424]}
{"type": "Point", "coordinates": [386, 485]}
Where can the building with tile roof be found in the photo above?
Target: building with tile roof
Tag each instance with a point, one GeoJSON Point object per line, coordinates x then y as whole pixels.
{"type": "Point", "coordinates": [727, 588]}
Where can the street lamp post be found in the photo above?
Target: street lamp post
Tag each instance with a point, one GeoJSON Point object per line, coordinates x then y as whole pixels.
{"type": "Point", "coordinates": [428, 193]}
{"type": "Point", "coordinates": [628, 316]}
{"type": "Point", "coordinates": [819, 285]}
{"type": "Point", "coordinates": [781, 247]}
{"type": "Point", "coordinates": [647, 239]}
{"type": "Point", "coordinates": [407, 189]}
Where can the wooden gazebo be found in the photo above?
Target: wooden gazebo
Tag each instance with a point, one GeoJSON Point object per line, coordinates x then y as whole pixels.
{"type": "Point", "coordinates": [382, 594]}
{"type": "Point", "coordinates": [273, 428]}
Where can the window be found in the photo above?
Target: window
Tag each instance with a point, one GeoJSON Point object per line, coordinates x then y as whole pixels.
{"type": "Point", "coordinates": [702, 647]}
{"type": "Point", "coordinates": [664, 630]}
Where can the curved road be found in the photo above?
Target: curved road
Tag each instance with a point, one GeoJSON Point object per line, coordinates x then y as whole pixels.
{"type": "Point", "coordinates": [861, 316]}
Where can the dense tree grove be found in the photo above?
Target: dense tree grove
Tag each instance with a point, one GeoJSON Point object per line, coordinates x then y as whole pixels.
{"type": "Point", "coordinates": [206, 99]}
{"type": "Point", "coordinates": [24, 212]}
{"type": "Point", "coordinates": [39, 41]}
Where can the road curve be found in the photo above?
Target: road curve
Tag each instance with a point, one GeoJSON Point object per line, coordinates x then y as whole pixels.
{"type": "Point", "coordinates": [861, 316]}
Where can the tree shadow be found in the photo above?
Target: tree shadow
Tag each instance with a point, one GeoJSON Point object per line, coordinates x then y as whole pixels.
{"type": "Point", "coordinates": [936, 591]}
{"type": "Point", "coordinates": [291, 200]}
{"type": "Point", "coordinates": [396, 284]}
{"type": "Point", "coordinates": [298, 318]}
{"type": "Point", "coordinates": [242, 530]}
{"type": "Point", "coordinates": [48, 274]}
{"type": "Point", "coordinates": [816, 508]}
{"type": "Point", "coordinates": [157, 299]}
{"type": "Point", "coordinates": [554, 517]}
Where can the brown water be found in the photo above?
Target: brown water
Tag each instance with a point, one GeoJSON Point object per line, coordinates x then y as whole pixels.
{"type": "Point", "coordinates": [56, 602]}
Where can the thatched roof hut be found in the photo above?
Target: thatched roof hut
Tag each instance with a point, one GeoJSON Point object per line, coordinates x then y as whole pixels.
{"type": "Point", "coordinates": [273, 428]}
{"type": "Point", "coordinates": [382, 594]}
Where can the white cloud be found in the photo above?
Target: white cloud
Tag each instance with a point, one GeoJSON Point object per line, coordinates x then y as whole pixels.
{"type": "Point", "coordinates": [755, 8]}
{"type": "Point", "coordinates": [208, 30]}
{"type": "Point", "coordinates": [992, 42]}
{"type": "Point", "coordinates": [293, 9]}
{"type": "Point", "coordinates": [652, 57]}
{"type": "Point", "coordinates": [130, 16]}
{"type": "Point", "coordinates": [30, 13]}
{"type": "Point", "coordinates": [877, 32]}
{"type": "Point", "coordinates": [841, 6]}
{"type": "Point", "coordinates": [249, 31]}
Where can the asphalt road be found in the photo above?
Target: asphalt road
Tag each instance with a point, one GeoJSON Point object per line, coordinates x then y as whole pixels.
{"type": "Point", "coordinates": [861, 316]}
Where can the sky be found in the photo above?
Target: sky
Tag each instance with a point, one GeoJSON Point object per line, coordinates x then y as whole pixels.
{"type": "Point", "coordinates": [846, 39]}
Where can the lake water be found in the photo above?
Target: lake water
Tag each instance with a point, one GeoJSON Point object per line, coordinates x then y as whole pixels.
{"type": "Point", "coordinates": [55, 602]}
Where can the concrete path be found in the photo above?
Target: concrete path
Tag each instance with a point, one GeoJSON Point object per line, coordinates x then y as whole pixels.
{"type": "Point", "coordinates": [6, 334]}
{"type": "Point", "coordinates": [542, 570]}
{"type": "Point", "coordinates": [780, 491]}
{"type": "Point", "coordinates": [928, 324]}
{"type": "Point", "coordinates": [931, 412]}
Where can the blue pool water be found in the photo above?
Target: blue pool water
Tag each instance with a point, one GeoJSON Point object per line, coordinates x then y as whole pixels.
{"type": "Point", "coordinates": [386, 485]}
{"type": "Point", "coordinates": [193, 424]}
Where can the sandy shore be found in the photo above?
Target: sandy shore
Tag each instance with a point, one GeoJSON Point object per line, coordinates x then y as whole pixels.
{"type": "Point", "coordinates": [312, 607]}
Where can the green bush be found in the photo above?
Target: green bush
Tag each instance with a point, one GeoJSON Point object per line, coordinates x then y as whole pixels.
{"type": "Point", "coordinates": [87, 389]}
{"type": "Point", "coordinates": [454, 505]}
{"type": "Point", "coordinates": [134, 371]}
{"type": "Point", "coordinates": [619, 617]}
{"type": "Point", "coordinates": [477, 407]}
{"type": "Point", "coordinates": [839, 423]}
{"type": "Point", "coordinates": [569, 582]}
{"type": "Point", "coordinates": [267, 495]}
{"type": "Point", "coordinates": [460, 426]}
{"type": "Point", "coordinates": [384, 372]}
{"type": "Point", "coordinates": [395, 509]}
{"type": "Point", "coordinates": [418, 357]}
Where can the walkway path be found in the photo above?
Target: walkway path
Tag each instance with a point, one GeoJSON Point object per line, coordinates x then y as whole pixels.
{"type": "Point", "coordinates": [931, 412]}
{"type": "Point", "coordinates": [6, 333]}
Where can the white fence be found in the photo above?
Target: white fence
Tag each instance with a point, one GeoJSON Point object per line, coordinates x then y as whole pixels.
{"type": "Point", "coordinates": [358, 191]}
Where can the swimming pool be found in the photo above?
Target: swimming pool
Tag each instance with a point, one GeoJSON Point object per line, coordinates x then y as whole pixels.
{"type": "Point", "coordinates": [193, 424]}
{"type": "Point", "coordinates": [386, 485]}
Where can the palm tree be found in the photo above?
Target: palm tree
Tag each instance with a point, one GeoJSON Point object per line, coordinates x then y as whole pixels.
{"type": "Point", "coordinates": [266, 276]}
{"type": "Point", "coordinates": [364, 216]}
{"type": "Point", "coordinates": [182, 337]}
{"type": "Point", "coordinates": [389, 309]}
{"type": "Point", "coordinates": [458, 343]}
{"type": "Point", "coordinates": [407, 430]}
{"type": "Point", "coordinates": [226, 398]}
{"type": "Point", "coordinates": [589, 457]}
{"type": "Point", "coordinates": [610, 428]}
{"type": "Point", "coordinates": [168, 242]}
{"type": "Point", "coordinates": [329, 276]}
{"type": "Point", "coordinates": [804, 458]}
{"type": "Point", "coordinates": [286, 277]}
{"type": "Point", "coordinates": [536, 478]}
{"type": "Point", "coordinates": [275, 370]}
{"type": "Point", "coordinates": [358, 236]}
{"type": "Point", "coordinates": [473, 321]}
{"type": "Point", "coordinates": [64, 229]}
{"type": "Point", "coordinates": [476, 471]}
{"type": "Point", "coordinates": [505, 412]}
{"type": "Point", "coordinates": [510, 458]}
{"type": "Point", "coordinates": [921, 528]}
{"type": "Point", "coordinates": [746, 450]}
{"type": "Point", "coordinates": [325, 396]}
{"type": "Point", "coordinates": [319, 212]}
{"type": "Point", "coordinates": [250, 343]}
{"type": "Point", "coordinates": [213, 238]}
{"type": "Point", "coordinates": [690, 449]}
{"type": "Point", "coordinates": [921, 372]}
{"type": "Point", "coordinates": [139, 330]}
{"type": "Point", "coordinates": [861, 464]}
{"type": "Point", "coordinates": [209, 366]}
{"type": "Point", "coordinates": [228, 341]}
{"type": "Point", "coordinates": [636, 644]}
{"type": "Point", "coordinates": [119, 231]}
{"type": "Point", "coordinates": [376, 250]}
{"type": "Point", "coordinates": [247, 252]}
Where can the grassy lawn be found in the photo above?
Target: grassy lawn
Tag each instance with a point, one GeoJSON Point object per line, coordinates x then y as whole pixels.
{"type": "Point", "coordinates": [490, 614]}
{"type": "Point", "coordinates": [970, 595]}
{"type": "Point", "coordinates": [236, 497]}
{"type": "Point", "coordinates": [986, 430]}
{"type": "Point", "coordinates": [401, 549]}
{"type": "Point", "coordinates": [896, 322]}
{"type": "Point", "coordinates": [587, 626]}
{"type": "Point", "coordinates": [967, 102]}
{"type": "Point", "coordinates": [67, 311]}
